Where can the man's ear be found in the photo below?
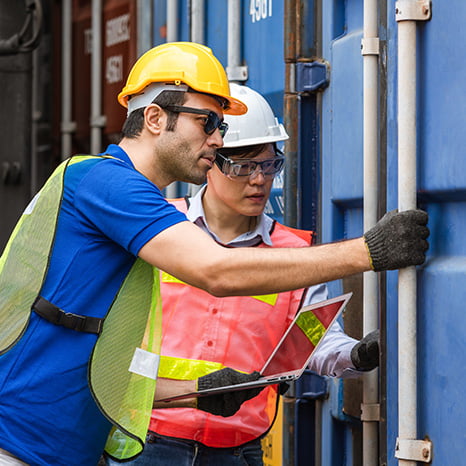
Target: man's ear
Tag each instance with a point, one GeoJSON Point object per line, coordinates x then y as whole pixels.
{"type": "Point", "coordinates": [154, 118]}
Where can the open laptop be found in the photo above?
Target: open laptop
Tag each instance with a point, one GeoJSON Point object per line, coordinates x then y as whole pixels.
{"type": "Point", "coordinates": [293, 352]}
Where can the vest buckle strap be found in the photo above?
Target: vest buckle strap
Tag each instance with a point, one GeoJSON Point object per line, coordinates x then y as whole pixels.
{"type": "Point", "coordinates": [57, 316]}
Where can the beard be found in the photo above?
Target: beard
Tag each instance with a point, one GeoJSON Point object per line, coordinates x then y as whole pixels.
{"type": "Point", "coordinates": [180, 163]}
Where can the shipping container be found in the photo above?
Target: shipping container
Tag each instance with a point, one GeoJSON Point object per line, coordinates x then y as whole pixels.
{"type": "Point", "coordinates": [372, 95]}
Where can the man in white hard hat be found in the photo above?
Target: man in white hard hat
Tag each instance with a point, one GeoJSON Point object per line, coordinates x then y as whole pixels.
{"type": "Point", "coordinates": [202, 332]}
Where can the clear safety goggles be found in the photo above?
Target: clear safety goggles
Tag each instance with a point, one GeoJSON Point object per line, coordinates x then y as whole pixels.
{"type": "Point", "coordinates": [212, 122]}
{"type": "Point", "coordinates": [242, 168]}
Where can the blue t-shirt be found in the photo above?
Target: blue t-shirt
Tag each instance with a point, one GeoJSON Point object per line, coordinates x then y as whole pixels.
{"type": "Point", "coordinates": [47, 413]}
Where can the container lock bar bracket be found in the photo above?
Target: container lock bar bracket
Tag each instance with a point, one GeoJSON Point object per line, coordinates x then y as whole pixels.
{"type": "Point", "coordinates": [237, 73]}
{"type": "Point", "coordinates": [370, 412]}
{"type": "Point", "coordinates": [370, 46]}
{"type": "Point", "coordinates": [312, 76]}
{"type": "Point", "coordinates": [98, 121]}
{"type": "Point", "coordinates": [419, 10]}
{"type": "Point", "coordinates": [414, 450]}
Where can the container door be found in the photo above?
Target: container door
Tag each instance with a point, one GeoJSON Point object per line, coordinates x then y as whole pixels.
{"type": "Point", "coordinates": [441, 179]}
{"type": "Point", "coordinates": [15, 120]}
{"type": "Point", "coordinates": [342, 200]}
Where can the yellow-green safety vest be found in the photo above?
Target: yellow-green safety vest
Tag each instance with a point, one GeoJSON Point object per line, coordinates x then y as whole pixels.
{"type": "Point", "coordinates": [133, 320]}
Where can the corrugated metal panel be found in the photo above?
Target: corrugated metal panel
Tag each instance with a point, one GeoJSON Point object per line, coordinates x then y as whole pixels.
{"type": "Point", "coordinates": [160, 22]}
{"type": "Point", "coordinates": [263, 49]}
{"type": "Point", "coordinates": [118, 55]}
{"type": "Point", "coordinates": [442, 191]}
{"type": "Point", "coordinates": [81, 105]}
{"type": "Point", "coordinates": [342, 194]}
{"type": "Point", "coordinates": [262, 36]}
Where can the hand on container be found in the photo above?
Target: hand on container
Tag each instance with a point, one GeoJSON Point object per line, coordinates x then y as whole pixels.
{"type": "Point", "coordinates": [365, 353]}
{"type": "Point", "coordinates": [398, 240]}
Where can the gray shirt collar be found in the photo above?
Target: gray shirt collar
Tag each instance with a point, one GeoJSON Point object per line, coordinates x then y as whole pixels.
{"type": "Point", "coordinates": [261, 233]}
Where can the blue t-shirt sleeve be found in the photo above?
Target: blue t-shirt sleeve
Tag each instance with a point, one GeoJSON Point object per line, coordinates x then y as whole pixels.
{"type": "Point", "coordinates": [124, 205]}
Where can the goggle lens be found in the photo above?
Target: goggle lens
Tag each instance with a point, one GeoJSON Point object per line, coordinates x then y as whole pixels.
{"type": "Point", "coordinates": [241, 168]}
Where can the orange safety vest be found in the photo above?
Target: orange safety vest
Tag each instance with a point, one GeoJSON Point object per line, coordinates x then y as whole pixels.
{"type": "Point", "coordinates": [202, 333]}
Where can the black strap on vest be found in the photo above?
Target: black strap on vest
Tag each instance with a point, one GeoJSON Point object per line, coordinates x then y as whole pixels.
{"type": "Point", "coordinates": [57, 316]}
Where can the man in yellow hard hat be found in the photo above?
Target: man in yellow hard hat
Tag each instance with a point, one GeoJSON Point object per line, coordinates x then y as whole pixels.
{"type": "Point", "coordinates": [79, 306]}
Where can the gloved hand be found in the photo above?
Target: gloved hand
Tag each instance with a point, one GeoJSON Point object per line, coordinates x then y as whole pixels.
{"type": "Point", "coordinates": [226, 404]}
{"type": "Point", "coordinates": [398, 240]}
{"type": "Point", "coordinates": [283, 387]}
{"type": "Point", "coordinates": [365, 354]}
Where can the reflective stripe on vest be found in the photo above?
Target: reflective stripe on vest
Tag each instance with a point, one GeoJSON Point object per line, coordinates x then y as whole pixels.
{"type": "Point", "coordinates": [124, 397]}
{"type": "Point", "coordinates": [185, 337]}
{"type": "Point", "coordinates": [186, 369]}
{"type": "Point", "coordinates": [266, 298]}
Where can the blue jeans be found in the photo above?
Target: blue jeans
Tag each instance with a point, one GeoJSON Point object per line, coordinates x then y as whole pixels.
{"type": "Point", "coordinates": [167, 451]}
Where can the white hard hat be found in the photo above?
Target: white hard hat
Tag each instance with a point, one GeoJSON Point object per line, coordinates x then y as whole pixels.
{"type": "Point", "coordinates": [257, 126]}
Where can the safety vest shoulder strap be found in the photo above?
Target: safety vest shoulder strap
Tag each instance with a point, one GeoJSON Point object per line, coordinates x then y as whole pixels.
{"type": "Point", "coordinates": [37, 221]}
{"type": "Point", "coordinates": [26, 260]}
{"type": "Point", "coordinates": [306, 235]}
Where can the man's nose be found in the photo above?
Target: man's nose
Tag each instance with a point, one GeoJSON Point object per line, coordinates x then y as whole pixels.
{"type": "Point", "coordinates": [257, 176]}
{"type": "Point", "coordinates": [215, 139]}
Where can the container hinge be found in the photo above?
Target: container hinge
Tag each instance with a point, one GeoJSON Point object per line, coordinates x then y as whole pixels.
{"type": "Point", "coordinates": [98, 121]}
{"type": "Point", "coordinates": [311, 76]}
{"type": "Point", "coordinates": [237, 73]}
{"type": "Point", "coordinates": [370, 412]}
{"type": "Point", "coordinates": [370, 46]}
{"type": "Point", "coordinates": [414, 450]}
{"type": "Point", "coordinates": [68, 127]}
{"type": "Point", "coordinates": [419, 10]}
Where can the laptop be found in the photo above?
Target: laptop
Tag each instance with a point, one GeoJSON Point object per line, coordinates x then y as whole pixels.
{"type": "Point", "coordinates": [293, 352]}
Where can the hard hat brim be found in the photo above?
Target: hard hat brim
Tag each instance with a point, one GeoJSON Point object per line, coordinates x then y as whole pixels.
{"type": "Point", "coordinates": [235, 106]}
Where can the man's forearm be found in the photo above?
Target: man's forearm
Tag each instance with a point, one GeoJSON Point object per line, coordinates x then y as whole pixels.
{"type": "Point", "coordinates": [398, 240]}
{"type": "Point", "coordinates": [262, 271]}
{"type": "Point", "coordinates": [249, 271]}
{"type": "Point", "coordinates": [169, 387]}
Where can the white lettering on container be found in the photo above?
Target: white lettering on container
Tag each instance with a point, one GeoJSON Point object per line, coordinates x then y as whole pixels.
{"type": "Point", "coordinates": [117, 30]}
{"type": "Point", "coordinates": [114, 69]}
{"type": "Point", "coordinates": [88, 41]}
{"type": "Point", "coordinates": [260, 9]}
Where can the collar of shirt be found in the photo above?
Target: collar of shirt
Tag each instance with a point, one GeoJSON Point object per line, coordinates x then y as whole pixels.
{"type": "Point", "coordinates": [260, 234]}
{"type": "Point", "coordinates": [116, 151]}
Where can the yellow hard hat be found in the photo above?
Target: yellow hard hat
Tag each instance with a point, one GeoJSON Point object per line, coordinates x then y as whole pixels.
{"type": "Point", "coordinates": [181, 63]}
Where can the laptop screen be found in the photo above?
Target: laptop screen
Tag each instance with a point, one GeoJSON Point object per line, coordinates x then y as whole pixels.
{"type": "Point", "coordinates": [293, 352]}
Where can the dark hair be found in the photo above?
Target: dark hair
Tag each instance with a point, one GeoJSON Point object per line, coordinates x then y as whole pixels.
{"type": "Point", "coordinates": [245, 152]}
{"type": "Point", "coordinates": [133, 125]}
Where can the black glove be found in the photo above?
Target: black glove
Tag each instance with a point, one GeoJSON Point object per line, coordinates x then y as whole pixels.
{"type": "Point", "coordinates": [365, 354]}
{"type": "Point", "coordinates": [226, 404]}
{"type": "Point", "coordinates": [283, 387]}
{"type": "Point", "coordinates": [398, 240]}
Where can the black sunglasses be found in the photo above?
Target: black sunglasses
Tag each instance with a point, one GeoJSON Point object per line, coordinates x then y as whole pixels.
{"type": "Point", "coordinates": [212, 122]}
